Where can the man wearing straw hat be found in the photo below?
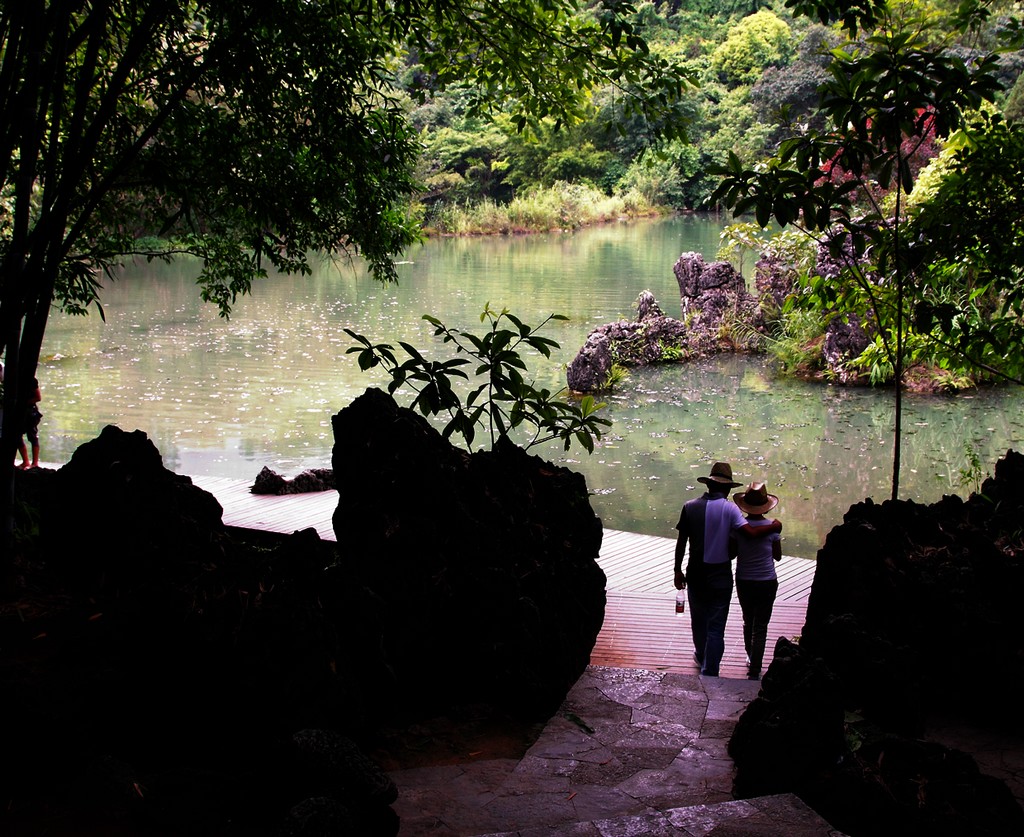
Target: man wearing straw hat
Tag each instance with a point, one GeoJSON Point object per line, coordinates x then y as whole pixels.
{"type": "Point", "coordinates": [707, 522]}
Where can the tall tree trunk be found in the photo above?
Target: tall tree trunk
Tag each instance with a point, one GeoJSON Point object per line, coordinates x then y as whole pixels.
{"type": "Point", "coordinates": [901, 280]}
{"type": "Point", "coordinates": [10, 436]}
{"type": "Point", "coordinates": [897, 427]}
{"type": "Point", "coordinates": [23, 341]}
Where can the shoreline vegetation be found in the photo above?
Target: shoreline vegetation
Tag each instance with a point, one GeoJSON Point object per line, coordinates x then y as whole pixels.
{"type": "Point", "coordinates": [796, 348]}
{"type": "Point", "coordinates": [558, 208]}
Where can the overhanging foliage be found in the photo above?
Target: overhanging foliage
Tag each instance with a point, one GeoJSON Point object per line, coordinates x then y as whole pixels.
{"type": "Point", "coordinates": [250, 133]}
{"type": "Point", "coordinates": [891, 90]}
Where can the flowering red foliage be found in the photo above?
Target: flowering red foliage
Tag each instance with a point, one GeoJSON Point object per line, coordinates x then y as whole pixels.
{"type": "Point", "coordinates": [916, 149]}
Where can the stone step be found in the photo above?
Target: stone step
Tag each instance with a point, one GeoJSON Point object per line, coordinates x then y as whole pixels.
{"type": "Point", "coordinates": [629, 753]}
{"type": "Point", "coordinates": [765, 816]}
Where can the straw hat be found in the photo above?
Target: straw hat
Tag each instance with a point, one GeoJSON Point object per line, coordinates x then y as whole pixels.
{"type": "Point", "coordinates": [756, 499]}
{"type": "Point", "coordinates": [721, 476]}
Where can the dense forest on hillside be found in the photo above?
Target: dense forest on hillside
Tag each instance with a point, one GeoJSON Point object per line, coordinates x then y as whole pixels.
{"type": "Point", "coordinates": [755, 69]}
{"type": "Point", "coordinates": [861, 139]}
{"type": "Point", "coordinates": [872, 154]}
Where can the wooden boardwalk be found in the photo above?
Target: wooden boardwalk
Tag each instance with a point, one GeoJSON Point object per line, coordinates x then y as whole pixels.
{"type": "Point", "coordinates": [641, 628]}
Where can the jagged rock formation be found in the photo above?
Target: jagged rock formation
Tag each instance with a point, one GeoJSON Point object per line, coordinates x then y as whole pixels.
{"type": "Point", "coordinates": [844, 340]}
{"type": "Point", "coordinates": [773, 279]}
{"type": "Point", "coordinates": [912, 607]}
{"type": "Point", "coordinates": [718, 314]}
{"type": "Point", "coordinates": [269, 481]}
{"type": "Point", "coordinates": [589, 371]}
{"type": "Point", "coordinates": [162, 673]}
{"type": "Point", "coordinates": [649, 339]}
{"type": "Point", "coordinates": [717, 308]}
{"type": "Point", "coordinates": [484, 563]}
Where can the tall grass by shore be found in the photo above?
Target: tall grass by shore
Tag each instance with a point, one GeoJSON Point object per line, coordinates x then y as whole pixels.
{"type": "Point", "coordinates": [563, 206]}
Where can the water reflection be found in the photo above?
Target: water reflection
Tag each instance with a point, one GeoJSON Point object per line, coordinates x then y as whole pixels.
{"type": "Point", "coordinates": [820, 448]}
{"type": "Point", "coordinates": [228, 398]}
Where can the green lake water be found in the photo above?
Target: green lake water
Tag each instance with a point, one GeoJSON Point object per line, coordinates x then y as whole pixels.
{"type": "Point", "coordinates": [228, 398]}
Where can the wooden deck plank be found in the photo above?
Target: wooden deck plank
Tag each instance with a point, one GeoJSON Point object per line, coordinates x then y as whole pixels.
{"type": "Point", "coordinates": [270, 512]}
{"type": "Point", "coordinates": [643, 631]}
{"type": "Point", "coordinates": [641, 628]}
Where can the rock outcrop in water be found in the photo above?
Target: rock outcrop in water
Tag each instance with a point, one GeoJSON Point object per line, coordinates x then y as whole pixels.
{"type": "Point", "coordinates": [651, 338]}
{"type": "Point", "coordinates": [718, 314]}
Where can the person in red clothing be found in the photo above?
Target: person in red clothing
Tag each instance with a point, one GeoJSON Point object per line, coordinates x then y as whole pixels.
{"type": "Point", "coordinates": [30, 428]}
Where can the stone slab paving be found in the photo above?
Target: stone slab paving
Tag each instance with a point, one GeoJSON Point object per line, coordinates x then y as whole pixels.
{"type": "Point", "coordinates": [630, 752]}
{"type": "Point", "coordinates": [998, 752]}
{"type": "Point", "coordinates": [766, 816]}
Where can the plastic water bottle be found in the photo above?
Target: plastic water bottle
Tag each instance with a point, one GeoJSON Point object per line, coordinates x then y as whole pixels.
{"type": "Point", "coordinates": [680, 601]}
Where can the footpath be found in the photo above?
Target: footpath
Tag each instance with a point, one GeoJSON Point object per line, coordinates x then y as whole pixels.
{"type": "Point", "coordinates": [639, 750]}
{"type": "Point", "coordinates": [630, 752]}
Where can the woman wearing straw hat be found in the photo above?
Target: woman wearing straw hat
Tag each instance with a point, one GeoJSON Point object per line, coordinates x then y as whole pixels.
{"type": "Point", "coordinates": [756, 580]}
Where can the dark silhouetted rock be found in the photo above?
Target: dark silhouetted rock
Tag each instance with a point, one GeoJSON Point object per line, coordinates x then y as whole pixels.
{"type": "Point", "coordinates": [485, 563]}
{"type": "Point", "coordinates": [157, 659]}
{"type": "Point", "coordinates": [320, 816]}
{"type": "Point", "coordinates": [793, 730]}
{"type": "Point", "coordinates": [937, 585]}
{"type": "Point", "coordinates": [651, 338]}
{"type": "Point", "coordinates": [913, 611]}
{"type": "Point", "coordinates": [342, 792]}
{"type": "Point", "coordinates": [326, 763]}
{"type": "Point", "coordinates": [114, 514]}
{"type": "Point", "coordinates": [894, 785]}
{"type": "Point", "coordinates": [269, 481]}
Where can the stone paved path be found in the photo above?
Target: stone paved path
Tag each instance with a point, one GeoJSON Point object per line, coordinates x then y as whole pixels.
{"type": "Point", "coordinates": [630, 752]}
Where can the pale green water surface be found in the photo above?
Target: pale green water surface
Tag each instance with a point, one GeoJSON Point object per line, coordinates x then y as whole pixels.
{"type": "Point", "coordinates": [227, 398]}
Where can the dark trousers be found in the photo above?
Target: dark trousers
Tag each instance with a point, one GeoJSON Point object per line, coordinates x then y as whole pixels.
{"type": "Point", "coordinates": [756, 601]}
{"type": "Point", "coordinates": [709, 611]}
